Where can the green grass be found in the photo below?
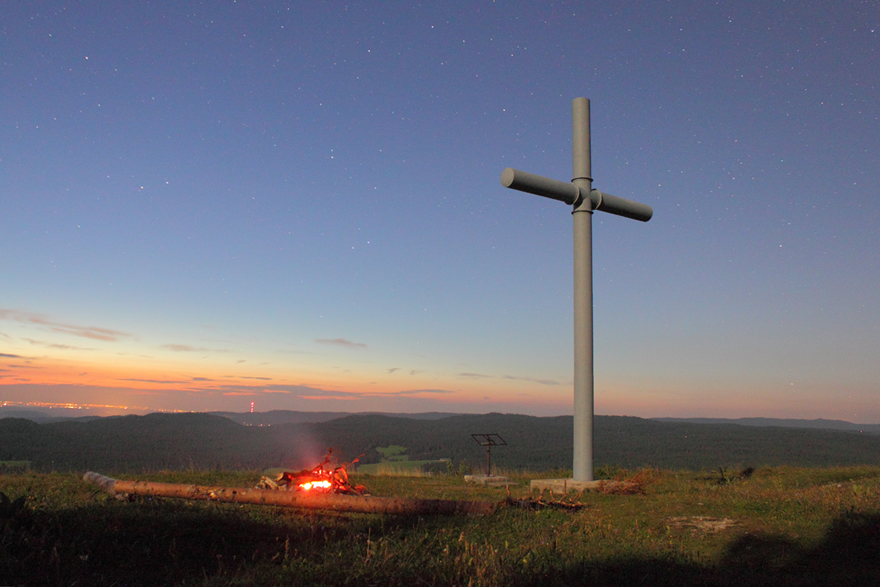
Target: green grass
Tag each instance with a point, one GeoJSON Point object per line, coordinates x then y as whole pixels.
{"type": "Point", "coordinates": [392, 452]}
{"type": "Point", "coordinates": [395, 461]}
{"type": "Point", "coordinates": [785, 526]}
{"type": "Point", "coordinates": [14, 466]}
{"type": "Point", "coordinates": [394, 467]}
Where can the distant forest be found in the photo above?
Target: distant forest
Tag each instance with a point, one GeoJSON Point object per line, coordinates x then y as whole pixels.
{"type": "Point", "coordinates": [132, 444]}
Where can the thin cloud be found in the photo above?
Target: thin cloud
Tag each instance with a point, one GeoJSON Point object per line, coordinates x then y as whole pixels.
{"type": "Point", "coordinates": [510, 377]}
{"type": "Point", "coordinates": [182, 348]}
{"type": "Point", "coordinates": [293, 390]}
{"type": "Point", "coordinates": [341, 342]}
{"type": "Point", "coordinates": [532, 380]}
{"type": "Point", "coordinates": [8, 356]}
{"type": "Point", "coordinates": [160, 381]}
{"type": "Point", "coordinates": [411, 392]}
{"type": "Point", "coordinates": [51, 345]}
{"type": "Point", "coordinates": [92, 332]}
{"type": "Point", "coordinates": [306, 391]}
{"type": "Point", "coordinates": [393, 369]}
{"type": "Point", "coordinates": [185, 348]}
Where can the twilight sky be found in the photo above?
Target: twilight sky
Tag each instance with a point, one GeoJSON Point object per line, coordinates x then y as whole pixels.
{"type": "Point", "coordinates": [205, 204]}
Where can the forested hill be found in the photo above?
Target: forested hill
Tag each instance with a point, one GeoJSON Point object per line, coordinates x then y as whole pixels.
{"type": "Point", "coordinates": [180, 441]}
{"type": "Point", "coordinates": [543, 443]}
{"type": "Point", "coordinates": [819, 424]}
{"type": "Point", "coordinates": [275, 417]}
{"type": "Point", "coordinates": [132, 443]}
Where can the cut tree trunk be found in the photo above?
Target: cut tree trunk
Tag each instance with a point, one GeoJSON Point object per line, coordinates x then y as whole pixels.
{"type": "Point", "coordinates": [292, 498]}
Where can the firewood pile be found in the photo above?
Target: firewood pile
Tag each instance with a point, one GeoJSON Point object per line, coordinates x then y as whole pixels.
{"type": "Point", "coordinates": [325, 478]}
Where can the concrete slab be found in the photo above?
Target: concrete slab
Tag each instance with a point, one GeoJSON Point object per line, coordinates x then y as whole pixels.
{"type": "Point", "coordinates": [562, 485]}
{"type": "Point", "coordinates": [489, 480]}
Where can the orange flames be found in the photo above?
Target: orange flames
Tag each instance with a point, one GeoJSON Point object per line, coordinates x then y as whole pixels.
{"type": "Point", "coordinates": [309, 485]}
{"type": "Point", "coordinates": [322, 479]}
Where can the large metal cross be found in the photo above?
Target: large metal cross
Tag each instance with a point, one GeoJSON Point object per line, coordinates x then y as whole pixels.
{"type": "Point", "coordinates": [581, 195]}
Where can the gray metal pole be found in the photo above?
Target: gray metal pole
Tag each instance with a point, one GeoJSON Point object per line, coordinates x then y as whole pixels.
{"type": "Point", "coordinates": [582, 216]}
{"type": "Point", "coordinates": [584, 199]}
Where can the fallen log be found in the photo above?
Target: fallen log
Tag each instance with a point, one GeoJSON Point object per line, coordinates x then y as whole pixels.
{"type": "Point", "coordinates": [293, 499]}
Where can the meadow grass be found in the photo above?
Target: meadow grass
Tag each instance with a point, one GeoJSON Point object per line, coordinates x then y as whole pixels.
{"type": "Point", "coordinates": [396, 462]}
{"type": "Point", "coordinates": [782, 525]}
{"type": "Point", "coordinates": [400, 468]}
{"type": "Point", "coordinates": [393, 452]}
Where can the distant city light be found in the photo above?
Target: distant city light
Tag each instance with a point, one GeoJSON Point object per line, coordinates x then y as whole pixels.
{"type": "Point", "coordinates": [74, 406]}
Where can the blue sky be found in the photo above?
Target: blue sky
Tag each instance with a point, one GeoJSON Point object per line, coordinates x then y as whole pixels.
{"type": "Point", "coordinates": [208, 204]}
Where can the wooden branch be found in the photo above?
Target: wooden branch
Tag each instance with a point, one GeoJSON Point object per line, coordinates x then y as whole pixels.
{"type": "Point", "coordinates": [293, 499]}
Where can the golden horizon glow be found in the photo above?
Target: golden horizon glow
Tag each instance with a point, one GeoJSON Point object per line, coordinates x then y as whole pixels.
{"type": "Point", "coordinates": [184, 383]}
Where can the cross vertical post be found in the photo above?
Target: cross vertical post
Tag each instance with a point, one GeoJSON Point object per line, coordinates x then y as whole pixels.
{"type": "Point", "coordinates": [582, 219]}
{"type": "Point", "coordinates": [584, 199]}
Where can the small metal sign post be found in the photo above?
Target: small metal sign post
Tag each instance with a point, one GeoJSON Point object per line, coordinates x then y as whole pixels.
{"type": "Point", "coordinates": [584, 199]}
{"type": "Point", "coordinates": [489, 440]}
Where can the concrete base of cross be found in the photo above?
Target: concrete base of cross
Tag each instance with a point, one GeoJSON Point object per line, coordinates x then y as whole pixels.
{"type": "Point", "coordinates": [562, 485]}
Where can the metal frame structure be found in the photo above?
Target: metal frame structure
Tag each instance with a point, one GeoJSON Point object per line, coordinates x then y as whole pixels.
{"type": "Point", "coordinates": [489, 440]}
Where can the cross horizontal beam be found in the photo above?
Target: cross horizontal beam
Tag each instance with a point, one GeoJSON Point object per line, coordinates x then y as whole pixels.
{"type": "Point", "coordinates": [573, 195]}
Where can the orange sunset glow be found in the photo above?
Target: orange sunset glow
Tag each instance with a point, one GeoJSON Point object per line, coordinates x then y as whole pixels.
{"type": "Point", "coordinates": [204, 208]}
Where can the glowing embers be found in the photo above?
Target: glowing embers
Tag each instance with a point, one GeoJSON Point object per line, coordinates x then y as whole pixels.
{"type": "Point", "coordinates": [322, 479]}
{"type": "Point", "coordinates": [316, 485]}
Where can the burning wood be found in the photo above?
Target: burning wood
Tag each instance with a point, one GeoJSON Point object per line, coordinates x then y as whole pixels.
{"type": "Point", "coordinates": [322, 479]}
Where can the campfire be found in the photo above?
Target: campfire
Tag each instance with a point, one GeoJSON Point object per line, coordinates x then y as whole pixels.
{"type": "Point", "coordinates": [325, 478]}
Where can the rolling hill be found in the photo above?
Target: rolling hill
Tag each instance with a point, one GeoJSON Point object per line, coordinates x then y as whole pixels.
{"type": "Point", "coordinates": [205, 441]}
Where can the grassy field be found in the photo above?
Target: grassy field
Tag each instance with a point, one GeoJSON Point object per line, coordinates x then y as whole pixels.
{"type": "Point", "coordinates": [402, 468]}
{"type": "Point", "coordinates": [780, 526]}
{"type": "Point", "coordinates": [396, 462]}
{"type": "Point", "coordinates": [14, 466]}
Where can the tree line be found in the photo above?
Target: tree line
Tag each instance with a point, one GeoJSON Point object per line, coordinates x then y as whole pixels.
{"type": "Point", "coordinates": [202, 441]}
